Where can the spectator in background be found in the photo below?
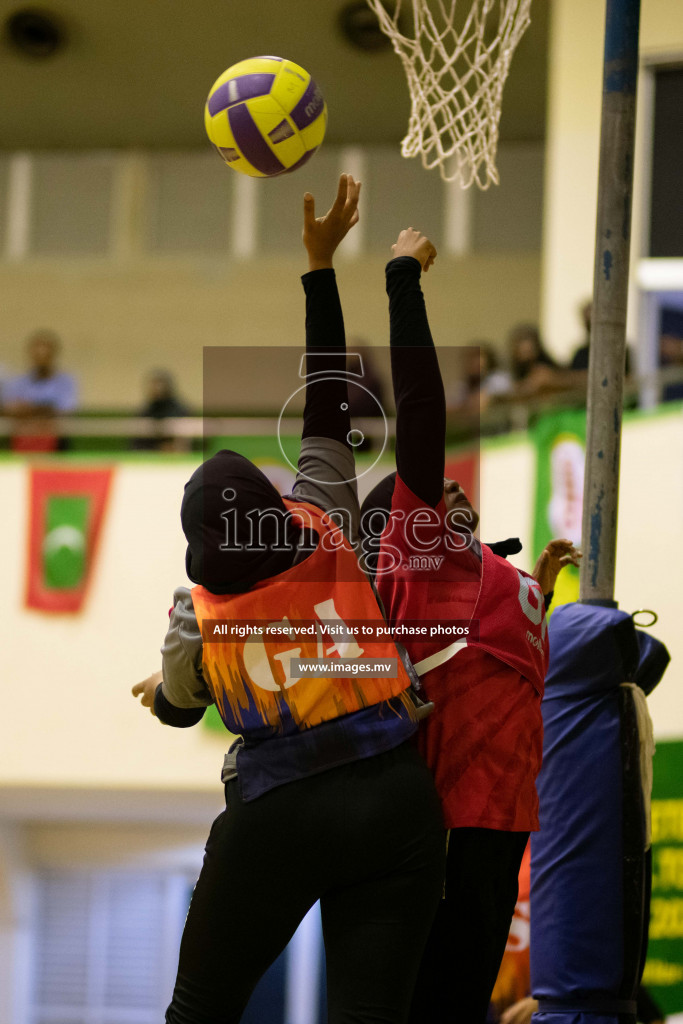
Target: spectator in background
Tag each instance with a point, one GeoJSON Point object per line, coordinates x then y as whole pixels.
{"type": "Point", "coordinates": [534, 371]}
{"type": "Point", "coordinates": [495, 382]}
{"type": "Point", "coordinates": [580, 357]}
{"type": "Point", "coordinates": [35, 398]}
{"type": "Point", "coordinates": [484, 382]}
{"type": "Point", "coordinates": [579, 360]}
{"type": "Point", "coordinates": [162, 403]}
{"type": "Point", "coordinates": [671, 362]}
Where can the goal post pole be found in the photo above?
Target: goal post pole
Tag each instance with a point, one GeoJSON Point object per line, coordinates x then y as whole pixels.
{"type": "Point", "coordinates": [610, 289]}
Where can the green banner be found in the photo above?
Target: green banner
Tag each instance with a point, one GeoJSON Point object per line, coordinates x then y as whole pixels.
{"type": "Point", "coordinates": [560, 440]}
{"type": "Point", "coordinates": [664, 967]}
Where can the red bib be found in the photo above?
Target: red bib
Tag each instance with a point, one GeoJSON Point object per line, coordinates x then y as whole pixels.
{"type": "Point", "coordinates": [510, 613]}
{"type": "Point", "coordinates": [484, 740]}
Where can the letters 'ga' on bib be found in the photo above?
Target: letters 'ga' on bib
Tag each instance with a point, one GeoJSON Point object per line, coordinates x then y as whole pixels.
{"type": "Point", "coordinates": [250, 678]}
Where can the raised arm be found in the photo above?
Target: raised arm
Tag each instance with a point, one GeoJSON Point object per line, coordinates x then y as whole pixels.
{"type": "Point", "coordinates": [418, 388]}
{"type": "Point", "coordinates": [327, 471]}
{"type": "Point", "coordinates": [327, 413]}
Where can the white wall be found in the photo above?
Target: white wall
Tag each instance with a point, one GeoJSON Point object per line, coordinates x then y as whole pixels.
{"type": "Point", "coordinates": [69, 717]}
{"type": "Point", "coordinates": [649, 545]}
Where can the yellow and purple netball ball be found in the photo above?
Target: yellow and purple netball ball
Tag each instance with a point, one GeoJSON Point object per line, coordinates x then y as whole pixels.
{"type": "Point", "coordinates": [265, 116]}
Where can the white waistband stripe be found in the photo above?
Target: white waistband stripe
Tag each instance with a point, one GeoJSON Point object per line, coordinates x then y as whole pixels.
{"type": "Point", "coordinates": [439, 658]}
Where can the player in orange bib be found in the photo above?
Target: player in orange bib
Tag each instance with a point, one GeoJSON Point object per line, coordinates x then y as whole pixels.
{"type": "Point", "coordinates": [326, 798]}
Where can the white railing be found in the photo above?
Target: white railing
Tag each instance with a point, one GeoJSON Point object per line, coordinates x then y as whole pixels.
{"type": "Point", "coordinates": [503, 416]}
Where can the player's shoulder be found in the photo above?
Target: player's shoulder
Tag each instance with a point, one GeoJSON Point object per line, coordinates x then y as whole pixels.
{"type": "Point", "coordinates": [183, 614]}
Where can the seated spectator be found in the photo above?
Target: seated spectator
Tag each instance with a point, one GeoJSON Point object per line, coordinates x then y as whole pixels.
{"type": "Point", "coordinates": [494, 382]}
{"type": "Point", "coordinates": [580, 357]}
{"type": "Point", "coordinates": [162, 403]}
{"type": "Point", "coordinates": [35, 398]}
{"type": "Point", "coordinates": [579, 360]}
{"type": "Point", "coordinates": [483, 384]}
{"type": "Point", "coordinates": [671, 362]}
{"type": "Point", "coordinates": [534, 371]}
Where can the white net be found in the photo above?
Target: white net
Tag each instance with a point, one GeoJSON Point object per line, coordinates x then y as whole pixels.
{"type": "Point", "coordinates": [456, 62]}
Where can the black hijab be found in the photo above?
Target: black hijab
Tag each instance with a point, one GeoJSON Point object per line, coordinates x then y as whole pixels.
{"type": "Point", "coordinates": [231, 542]}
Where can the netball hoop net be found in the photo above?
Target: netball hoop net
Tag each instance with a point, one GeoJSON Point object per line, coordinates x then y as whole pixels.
{"type": "Point", "coordinates": [456, 61]}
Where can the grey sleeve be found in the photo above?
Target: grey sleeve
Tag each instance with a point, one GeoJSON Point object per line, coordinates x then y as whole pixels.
{"type": "Point", "coordinates": [181, 656]}
{"type": "Point", "coordinates": [326, 477]}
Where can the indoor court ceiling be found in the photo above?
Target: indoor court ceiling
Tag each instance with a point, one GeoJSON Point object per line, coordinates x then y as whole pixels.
{"type": "Point", "coordinates": [135, 73]}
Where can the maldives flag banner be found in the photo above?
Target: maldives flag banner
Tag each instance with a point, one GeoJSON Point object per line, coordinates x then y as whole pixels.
{"type": "Point", "coordinates": [66, 510]}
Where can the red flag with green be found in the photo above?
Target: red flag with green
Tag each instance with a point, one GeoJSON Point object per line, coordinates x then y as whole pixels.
{"type": "Point", "coordinates": [66, 512]}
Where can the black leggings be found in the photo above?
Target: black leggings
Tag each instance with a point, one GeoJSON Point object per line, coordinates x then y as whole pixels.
{"type": "Point", "coordinates": [367, 840]}
{"type": "Point", "coordinates": [467, 941]}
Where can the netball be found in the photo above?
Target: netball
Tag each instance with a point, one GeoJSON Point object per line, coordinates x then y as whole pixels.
{"type": "Point", "coordinates": [266, 116]}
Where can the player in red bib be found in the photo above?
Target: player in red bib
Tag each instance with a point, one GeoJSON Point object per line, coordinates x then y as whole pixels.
{"type": "Point", "coordinates": [326, 798]}
{"type": "Point", "coordinates": [484, 740]}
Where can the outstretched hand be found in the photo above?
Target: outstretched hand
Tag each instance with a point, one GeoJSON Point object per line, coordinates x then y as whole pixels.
{"type": "Point", "coordinates": [556, 555]}
{"type": "Point", "coordinates": [414, 243]}
{"type": "Point", "coordinates": [146, 689]}
{"type": "Point", "coordinates": [322, 235]}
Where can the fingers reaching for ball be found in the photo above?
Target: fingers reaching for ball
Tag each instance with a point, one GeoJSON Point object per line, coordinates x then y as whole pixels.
{"type": "Point", "coordinates": [413, 243]}
{"type": "Point", "coordinates": [345, 205]}
{"type": "Point", "coordinates": [322, 235]}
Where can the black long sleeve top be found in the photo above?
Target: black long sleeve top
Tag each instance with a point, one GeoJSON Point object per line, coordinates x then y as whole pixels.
{"type": "Point", "coordinates": [418, 387]}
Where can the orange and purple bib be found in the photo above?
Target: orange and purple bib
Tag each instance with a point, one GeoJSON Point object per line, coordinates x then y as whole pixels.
{"type": "Point", "coordinates": [302, 613]}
